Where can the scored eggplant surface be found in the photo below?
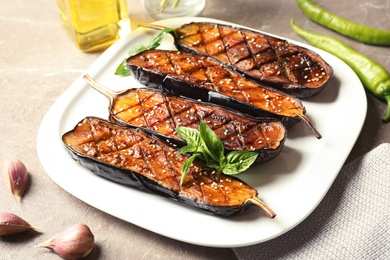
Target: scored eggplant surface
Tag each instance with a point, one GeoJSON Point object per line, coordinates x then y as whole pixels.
{"type": "Point", "coordinates": [162, 114]}
{"type": "Point", "coordinates": [135, 158]}
{"type": "Point", "coordinates": [285, 66]}
{"type": "Point", "coordinates": [200, 77]}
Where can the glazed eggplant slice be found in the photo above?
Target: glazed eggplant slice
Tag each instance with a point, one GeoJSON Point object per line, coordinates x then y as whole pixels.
{"type": "Point", "coordinates": [200, 77]}
{"type": "Point", "coordinates": [283, 65]}
{"type": "Point", "coordinates": [135, 158]}
{"type": "Point", "coordinates": [161, 114]}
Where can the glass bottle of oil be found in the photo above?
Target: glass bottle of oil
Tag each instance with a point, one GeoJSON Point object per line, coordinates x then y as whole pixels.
{"type": "Point", "coordinates": [94, 24]}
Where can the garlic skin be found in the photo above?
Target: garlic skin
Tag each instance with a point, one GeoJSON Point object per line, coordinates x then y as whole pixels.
{"type": "Point", "coordinates": [74, 242]}
{"type": "Point", "coordinates": [16, 177]}
{"type": "Point", "coordinates": [12, 224]}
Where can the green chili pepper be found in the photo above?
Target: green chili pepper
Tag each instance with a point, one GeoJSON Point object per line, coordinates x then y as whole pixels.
{"type": "Point", "coordinates": [343, 26]}
{"type": "Point", "coordinates": [373, 76]}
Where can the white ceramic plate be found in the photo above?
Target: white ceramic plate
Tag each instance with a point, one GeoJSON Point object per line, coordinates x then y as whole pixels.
{"type": "Point", "coordinates": [292, 184]}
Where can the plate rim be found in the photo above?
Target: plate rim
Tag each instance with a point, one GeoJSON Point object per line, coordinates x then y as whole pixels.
{"type": "Point", "coordinates": [46, 130]}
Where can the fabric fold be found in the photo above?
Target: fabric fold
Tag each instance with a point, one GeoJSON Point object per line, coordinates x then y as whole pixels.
{"type": "Point", "coordinates": [351, 222]}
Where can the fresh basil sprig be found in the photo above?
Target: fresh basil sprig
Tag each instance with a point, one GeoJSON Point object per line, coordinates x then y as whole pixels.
{"type": "Point", "coordinates": [122, 70]}
{"type": "Point", "coordinates": [206, 145]}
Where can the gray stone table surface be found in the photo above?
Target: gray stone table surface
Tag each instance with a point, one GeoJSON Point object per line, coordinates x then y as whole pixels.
{"type": "Point", "coordinates": [39, 62]}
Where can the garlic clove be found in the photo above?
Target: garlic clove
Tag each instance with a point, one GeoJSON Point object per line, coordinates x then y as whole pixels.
{"type": "Point", "coordinates": [12, 224]}
{"type": "Point", "coordinates": [75, 242]}
{"type": "Point", "coordinates": [16, 177]}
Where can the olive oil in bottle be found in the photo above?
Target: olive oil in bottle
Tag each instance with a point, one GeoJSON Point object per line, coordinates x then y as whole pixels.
{"type": "Point", "coordinates": [94, 24]}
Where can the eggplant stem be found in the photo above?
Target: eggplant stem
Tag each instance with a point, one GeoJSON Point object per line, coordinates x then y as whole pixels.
{"type": "Point", "coordinates": [152, 26]}
{"type": "Point", "coordinates": [261, 204]}
{"type": "Point", "coordinates": [310, 125]}
{"type": "Point", "coordinates": [110, 94]}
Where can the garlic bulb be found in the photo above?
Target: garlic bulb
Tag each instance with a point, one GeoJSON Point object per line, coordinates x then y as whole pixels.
{"type": "Point", "coordinates": [16, 177]}
{"type": "Point", "coordinates": [75, 242]}
{"type": "Point", "coordinates": [12, 224]}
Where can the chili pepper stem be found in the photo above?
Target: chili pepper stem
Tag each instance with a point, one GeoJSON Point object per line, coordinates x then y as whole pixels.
{"type": "Point", "coordinates": [386, 117]}
{"type": "Point", "coordinates": [261, 204]}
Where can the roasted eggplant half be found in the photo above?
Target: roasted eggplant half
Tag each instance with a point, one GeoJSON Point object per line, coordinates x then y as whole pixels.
{"type": "Point", "coordinates": [200, 77]}
{"type": "Point", "coordinates": [281, 64]}
{"type": "Point", "coordinates": [161, 113]}
{"type": "Point", "coordinates": [140, 160]}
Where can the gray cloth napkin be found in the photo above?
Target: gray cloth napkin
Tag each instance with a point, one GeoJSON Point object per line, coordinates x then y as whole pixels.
{"type": "Point", "coordinates": [351, 222]}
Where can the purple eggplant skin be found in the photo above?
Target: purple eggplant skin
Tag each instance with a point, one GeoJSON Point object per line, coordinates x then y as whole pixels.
{"type": "Point", "coordinates": [134, 107]}
{"type": "Point", "coordinates": [123, 175]}
{"type": "Point", "coordinates": [160, 114]}
{"type": "Point", "coordinates": [264, 155]}
{"type": "Point", "coordinates": [201, 77]}
{"type": "Point", "coordinates": [179, 87]}
{"type": "Point", "coordinates": [233, 46]}
{"type": "Point", "coordinates": [134, 180]}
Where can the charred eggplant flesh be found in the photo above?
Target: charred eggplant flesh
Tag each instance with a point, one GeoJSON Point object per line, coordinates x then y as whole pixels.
{"type": "Point", "coordinates": [281, 64]}
{"type": "Point", "coordinates": [203, 78]}
{"type": "Point", "coordinates": [132, 157]}
{"type": "Point", "coordinates": [161, 114]}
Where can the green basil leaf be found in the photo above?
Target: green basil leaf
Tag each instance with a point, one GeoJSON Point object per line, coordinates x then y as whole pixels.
{"type": "Point", "coordinates": [157, 38]}
{"type": "Point", "coordinates": [122, 70]}
{"type": "Point", "coordinates": [213, 164]}
{"type": "Point", "coordinates": [187, 149]}
{"type": "Point", "coordinates": [212, 144]}
{"type": "Point", "coordinates": [239, 161]}
{"type": "Point", "coordinates": [202, 154]}
{"type": "Point", "coordinates": [190, 135]}
{"type": "Point", "coordinates": [138, 49]}
{"type": "Point", "coordinates": [186, 167]}
{"type": "Point", "coordinates": [206, 145]}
